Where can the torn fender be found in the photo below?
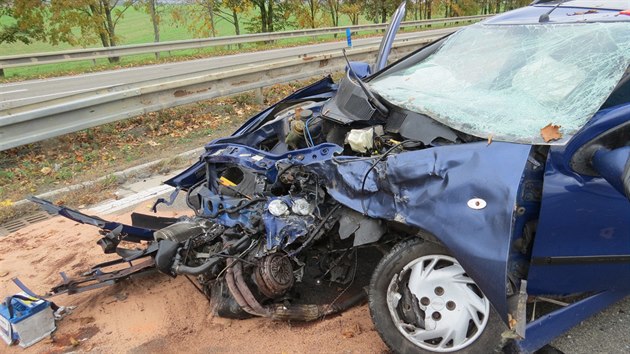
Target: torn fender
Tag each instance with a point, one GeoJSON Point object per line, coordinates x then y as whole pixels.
{"type": "Point", "coordinates": [132, 233]}
{"type": "Point", "coordinates": [430, 189]}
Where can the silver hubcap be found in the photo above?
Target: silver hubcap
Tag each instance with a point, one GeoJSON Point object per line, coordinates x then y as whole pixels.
{"type": "Point", "coordinates": [436, 305]}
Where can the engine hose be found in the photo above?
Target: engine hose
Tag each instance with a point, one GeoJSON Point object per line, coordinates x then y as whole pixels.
{"type": "Point", "coordinates": [212, 261]}
{"type": "Point", "coordinates": [246, 292]}
{"type": "Point", "coordinates": [229, 278]}
{"type": "Point", "coordinates": [239, 207]}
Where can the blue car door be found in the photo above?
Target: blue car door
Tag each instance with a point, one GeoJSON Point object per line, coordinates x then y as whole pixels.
{"type": "Point", "coordinates": [582, 242]}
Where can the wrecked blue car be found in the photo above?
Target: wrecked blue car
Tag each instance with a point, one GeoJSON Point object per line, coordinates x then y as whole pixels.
{"type": "Point", "coordinates": [478, 188]}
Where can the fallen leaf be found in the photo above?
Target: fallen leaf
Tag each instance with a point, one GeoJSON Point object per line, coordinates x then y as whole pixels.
{"type": "Point", "coordinates": [46, 170]}
{"type": "Point", "coordinates": [551, 132]}
{"type": "Point", "coordinates": [489, 139]}
{"type": "Point", "coordinates": [583, 13]}
{"type": "Point", "coordinates": [351, 331]}
{"type": "Point", "coordinates": [6, 203]}
{"type": "Point", "coordinates": [153, 143]}
{"type": "Point", "coordinates": [511, 321]}
{"type": "Point", "coordinates": [74, 342]}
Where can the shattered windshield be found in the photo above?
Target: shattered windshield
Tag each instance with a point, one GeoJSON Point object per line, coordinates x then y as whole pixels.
{"type": "Point", "coordinates": [508, 82]}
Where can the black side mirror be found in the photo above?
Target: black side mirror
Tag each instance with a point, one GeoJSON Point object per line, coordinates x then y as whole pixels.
{"type": "Point", "coordinates": [614, 167]}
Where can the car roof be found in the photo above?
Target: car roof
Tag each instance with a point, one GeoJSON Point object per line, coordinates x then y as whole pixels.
{"type": "Point", "coordinates": [572, 11]}
{"type": "Point", "coordinates": [589, 4]}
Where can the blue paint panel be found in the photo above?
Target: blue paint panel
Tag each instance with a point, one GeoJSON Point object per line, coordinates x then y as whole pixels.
{"type": "Point", "coordinates": [430, 189]}
{"type": "Point", "coordinates": [581, 216]}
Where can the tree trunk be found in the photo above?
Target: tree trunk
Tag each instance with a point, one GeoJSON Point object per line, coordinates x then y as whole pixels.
{"type": "Point", "coordinates": [96, 13]}
{"type": "Point", "coordinates": [110, 28]}
{"type": "Point", "coordinates": [312, 10]}
{"type": "Point", "coordinates": [383, 13]}
{"type": "Point", "coordinates": [156, 25]}
{"type": "Point", "coordinates": [237, 26]}
{"type": "Point", "coordinates": [154, 21]}
{"type": "Point", "coordinates": [263, 16]}
{"type": "Point", "coordinates": [417, 11]}
{"type": "Point", "coordinates": [210, 7]}
{"type": "Point", "coordinates": [334, 13]}
{"type": "Point", "coordinates": [270, 16]}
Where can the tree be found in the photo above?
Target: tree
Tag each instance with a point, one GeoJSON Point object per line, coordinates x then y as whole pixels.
{"type": "Point", "coordinates": [273, 15]}
{"type": "Point", "coordinates": [152, 8]}
{"type": "Point", "coordinates": [24, 21]}
{"type": "Point", "coordinates": [352, 9]}
{"type": "Point", "coordinates": [96, 21]}
{"type": "Point", "coordinates": [420, 9]}
{"type": "Point", "coordinates": [379, 10]}
{"type": "Point", "coordinates": [463, 8]}
{"type": "Point", "coordinates": [307, 13]}
{"type": "Point", "coordinates": [334, 9]}
{"type": "Point", "coordinates": [201, 16]}
{"type": "Point", "coordinates": [231, 10]}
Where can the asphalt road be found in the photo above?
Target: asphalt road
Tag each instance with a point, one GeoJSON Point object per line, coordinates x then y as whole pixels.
{"type": "Point", "coordinates": [34, 91]}
{"type": "Point", "coordinates": [608, 332]}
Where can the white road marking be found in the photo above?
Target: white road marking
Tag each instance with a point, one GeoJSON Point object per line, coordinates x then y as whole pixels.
{"type": "Point", "coordinates": [14, 91]}
{"type": "Point", "coordinates": [61, 93]}
{"type": "Point", "coordinates": [108, 72]}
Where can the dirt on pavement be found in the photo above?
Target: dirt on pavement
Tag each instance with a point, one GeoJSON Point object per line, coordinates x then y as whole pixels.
{"type": "Point", "coordinates": [154, 313]}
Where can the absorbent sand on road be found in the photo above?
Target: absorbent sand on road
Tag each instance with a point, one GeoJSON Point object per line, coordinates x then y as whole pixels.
{"type": "Point", "coordinates": [154, 313]}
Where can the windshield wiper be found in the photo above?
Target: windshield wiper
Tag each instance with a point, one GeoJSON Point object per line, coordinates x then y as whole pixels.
{"type": "Point", "coordinates": [545, 17]}
{"type": "Point", "coordinates": [370, 96]}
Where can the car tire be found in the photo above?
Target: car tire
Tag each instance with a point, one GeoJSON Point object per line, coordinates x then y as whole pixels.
{"type": "Point", "coordinates": [409, 313]}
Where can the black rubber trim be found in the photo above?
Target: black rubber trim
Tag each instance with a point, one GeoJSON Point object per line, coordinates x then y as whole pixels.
{"type": "Point", "coordinates": [562, 260]}
{"type": "Point", "coordinates": [626, 178]}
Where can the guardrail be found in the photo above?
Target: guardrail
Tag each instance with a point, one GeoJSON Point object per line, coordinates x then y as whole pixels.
{"type": "Point", "coordinates": [13, 61]}
{"type": "Point", "coordinates": [44, 120]}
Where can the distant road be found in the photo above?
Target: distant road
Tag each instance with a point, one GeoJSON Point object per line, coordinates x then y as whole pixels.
{"type": "Point", "coordinates": [34, 91]}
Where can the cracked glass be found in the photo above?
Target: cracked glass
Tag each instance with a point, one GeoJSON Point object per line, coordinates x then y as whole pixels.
{"type": "Point", "coordinates": [507, 82]}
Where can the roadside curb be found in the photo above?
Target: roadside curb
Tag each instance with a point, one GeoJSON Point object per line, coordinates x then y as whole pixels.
{"type": "Point", "coordinates": [125, 174]}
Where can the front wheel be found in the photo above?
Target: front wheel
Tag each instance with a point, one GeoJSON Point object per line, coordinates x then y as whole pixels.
{"type": "Point", "coordinates": [422, 301]}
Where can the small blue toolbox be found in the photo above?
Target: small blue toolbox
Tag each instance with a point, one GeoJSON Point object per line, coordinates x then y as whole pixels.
{"type": "Point", "coordinates": [25, 319]}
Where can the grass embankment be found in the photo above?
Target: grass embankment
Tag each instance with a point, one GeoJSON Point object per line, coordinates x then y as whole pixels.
{"type": "Point", "coordinates": [100, 151]}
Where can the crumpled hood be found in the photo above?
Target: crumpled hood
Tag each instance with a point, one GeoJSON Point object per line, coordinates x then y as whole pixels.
{"type": "Point", "coordinates": [430, 189]}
